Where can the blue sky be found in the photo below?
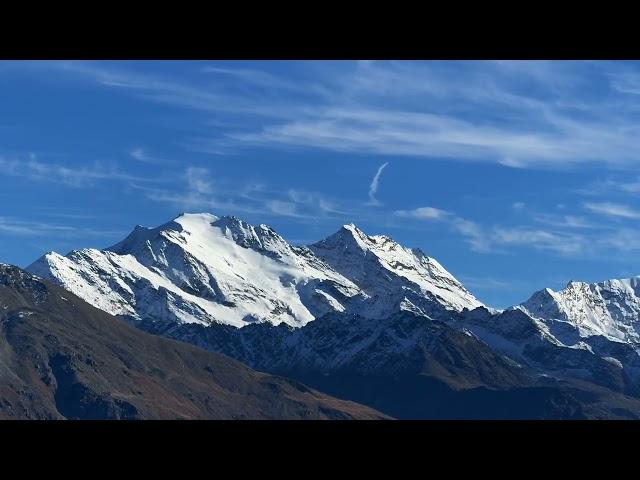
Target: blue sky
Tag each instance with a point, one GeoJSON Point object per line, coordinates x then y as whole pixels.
{"type": "Point", "coordinates": [514, 175]}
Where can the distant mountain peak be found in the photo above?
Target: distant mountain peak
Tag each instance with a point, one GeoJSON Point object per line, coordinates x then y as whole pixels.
{"type": "Point", "coordinates": [610, 308]}
{"type": "Point", "coordinates": [203, 268]}
{"type": "Point", "coordinates": [380, 265]}
{"type": "Point", "coordinates": [349, 233]}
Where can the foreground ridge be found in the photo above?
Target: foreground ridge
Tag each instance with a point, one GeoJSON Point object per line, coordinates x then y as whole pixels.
{"type": "Point", "coordinates": [62, 358]}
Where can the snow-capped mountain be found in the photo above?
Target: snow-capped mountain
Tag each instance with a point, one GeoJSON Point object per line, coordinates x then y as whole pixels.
{"type": "Point", "coordinates": [529, 341]}
{"type": "Point", "coordinates": [378, 305]}
{"type": "Point", "coordinates": [62, 358]}
{"type": "Point", "coordinates": [199, 268]}
{"type": "Point", "coordinates": [587, 331]}
{"type": "Point", "coordinates": [393, 276]}
{"type": "Point", "coordinates": [610, 309]}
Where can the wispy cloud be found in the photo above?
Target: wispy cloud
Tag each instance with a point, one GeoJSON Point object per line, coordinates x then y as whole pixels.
{"type": "Point", "coordinates": [267, 81]}
{"type": "Point", "coordinates": [75, 176]}
{"type": "Point", "coordinates": [203, 96]}
{"type": "Point", "coordinates": [199, 191]}
{"type": "Point", "coordinates": [564, 221]}
{"type": "Point", "coordinates": [626, 240]}
{"type": "Point", "coordinates": [519, 114]}
{"type": "Point", "coordinates": [315, 200]}
{"type": "Point", "coordinates": [562, 243]}
{"type": "Point", "coordinates": [551, 128]}
{"type": "Point", "coordinates": [279, 207]}
{"type": "Point", "coordinates": [141, 155]}
{"type": "Point", "coordinates": [375, 182]}
{"type": "Point", "coordinates": [198, 181]}
{"type": "Point", "coordinates": [489, 239]}
{"type": "Point", "coordinates": [613, 210]}
{"type": "Point", "coordinates": [11, 226]}
{"type": "Point", "coordinates": [608, 186]}
{"type": "Point", "coordinates": [486, 283]}
{"type": "Point", "coordinates": [423, 213]}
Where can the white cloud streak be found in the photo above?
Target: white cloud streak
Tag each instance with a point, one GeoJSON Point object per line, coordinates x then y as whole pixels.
{"type": "Point", "coordinates": [71, 175]}
{"type": "Point", "coordinates": [489, 239]}
{"type": "Point", "coordinates": [519, 114]}
{"type": "Point", "coordinates": [613, 210]}
{"type": "Point", "coordinates": [375, 182]}
{"type": "Point", "coordinates": [10, 226]}
{"type": "Point", "coordinates": [198, 191]}
{"type": "Point", "coordinates": [141, 155]}
{"type": "Point", "coordinates": [423, 213]}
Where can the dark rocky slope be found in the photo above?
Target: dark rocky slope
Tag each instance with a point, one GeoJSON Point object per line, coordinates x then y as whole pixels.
{"type": "Point", "coordinates": [62, 358]}
{"type": "Point", "coordinates": [408, 367]}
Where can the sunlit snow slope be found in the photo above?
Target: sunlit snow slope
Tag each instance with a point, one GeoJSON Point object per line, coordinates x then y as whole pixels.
{"type": "Point", "coordinates": [200, 268]}
{"type": "Point", "coordinates": [610, 309]}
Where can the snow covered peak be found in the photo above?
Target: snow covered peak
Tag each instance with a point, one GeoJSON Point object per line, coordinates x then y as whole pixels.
{"type": "Point", "coordinates": [203, 268]}
{"type": "Point", "coordinates": [382, 267]}
{"type": "Point", "coordinates": [200, 268]}
{"type": "Point", "coordinates": [349, 236]}
{"type": "Point", "coordinates": [610, 308]}
{"type": "Point", "coordinates": [205, 228]}
{"type": "Point", "coordinates": [202, 217]}
{"type": "Point", "coordinates": [260, 238]}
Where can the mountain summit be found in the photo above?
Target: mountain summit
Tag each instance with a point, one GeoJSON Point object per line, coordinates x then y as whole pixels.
{"type": "Point", "coordinates": [200, 268]}
{"type": "Point", "coordinates": [610, 309]}
{"type": "Point", "coordinates": [396, 276]}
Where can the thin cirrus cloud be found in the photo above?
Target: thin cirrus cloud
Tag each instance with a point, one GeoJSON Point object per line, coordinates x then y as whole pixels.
{"type": "Point", "coordinates": [493, 239]}
{"type": "Point", "coordinates": [11, 226]}
{"type": "Point", "coordinates": [197, 190]}
{"type": "Point", "coordinates": [613, 210]}
{"type": "Point", "coordinates": [282, 208]}
{"type": "Point", "coordinates": [140, 154]}
{"type": "Point", "coordinates": [554, 129]}
{"type": "Point", "coordinates": [565, 221]}
{"type": "Point", "coordinates": [541, 114]}
{"type": "Point", "coordinates": [203, 96]}
{"type": "Point", "coordinates": [564, 235]}
{"type": "Point", "coordinates": [74, 176]}
{"type": "Point", "coordinates": [486, 283]}
{"type": "Point", "coordinates": [629, 186]}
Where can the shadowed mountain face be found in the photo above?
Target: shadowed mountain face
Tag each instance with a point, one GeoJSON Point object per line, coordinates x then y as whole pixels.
{"type": "Point", "coordinates": [408, 367]}
{"type": "Point", "coordinates": [62, 358]}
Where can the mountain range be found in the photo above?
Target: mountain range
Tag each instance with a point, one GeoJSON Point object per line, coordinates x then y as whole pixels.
{"type": "Point", "coordinates": [62, 358]}
{"type": "Point", "coordinates": [365, 318]}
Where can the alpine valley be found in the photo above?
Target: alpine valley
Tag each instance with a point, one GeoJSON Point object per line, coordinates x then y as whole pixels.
{"type": "Point", "coordinates": [364, 319]}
